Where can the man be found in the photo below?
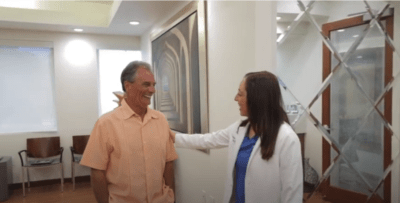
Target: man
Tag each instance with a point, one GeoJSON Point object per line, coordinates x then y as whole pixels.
{"type": "Point", "coordinates": [130, 152]}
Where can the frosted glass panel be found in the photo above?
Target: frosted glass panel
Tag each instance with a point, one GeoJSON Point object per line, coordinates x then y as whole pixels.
{"type": "Point", "coordinates": [360, 91]}
{"type": "Point", "coordinates": [111, 64]}
{"type": "Point", "coordinates": [26, 90]}
{"type": "Point", "coordinates": [349, 107]}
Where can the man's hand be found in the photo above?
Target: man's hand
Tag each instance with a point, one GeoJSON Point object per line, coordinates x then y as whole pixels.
{"type": "Point", "coordinates": [99, 184]}
{"type": "Point", "coordinates": [169, 176]}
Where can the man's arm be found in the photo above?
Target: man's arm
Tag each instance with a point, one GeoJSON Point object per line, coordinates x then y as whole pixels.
{"type": "Point", "coordinates": [99, 184]}
{"type": "Point", "coordinates": [169, 176]}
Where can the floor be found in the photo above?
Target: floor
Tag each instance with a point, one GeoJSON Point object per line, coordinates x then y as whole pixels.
{"type": "Point", "coordinates": [52, 194]}
{"type": "Point", "coordinates": [316, 198]}
{"type": "Point", "coordinates": [83, 194]}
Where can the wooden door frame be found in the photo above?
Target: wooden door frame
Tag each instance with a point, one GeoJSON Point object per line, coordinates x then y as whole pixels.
{"type": "Point", "coordinates": [333, 193]}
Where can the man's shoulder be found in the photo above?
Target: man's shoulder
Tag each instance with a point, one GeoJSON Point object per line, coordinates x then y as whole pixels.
{"type": "Point", "coordinates": [157, 114]}
{"type": "Point", "coordinates": [111, 116]}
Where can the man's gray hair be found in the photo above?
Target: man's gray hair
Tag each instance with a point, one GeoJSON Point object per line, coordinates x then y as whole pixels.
{"type": "Point", "coordinates": [130, 71]}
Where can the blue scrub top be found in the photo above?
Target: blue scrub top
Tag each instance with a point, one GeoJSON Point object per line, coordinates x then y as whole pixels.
{"type": "Point", "coordinates": [241, 165]}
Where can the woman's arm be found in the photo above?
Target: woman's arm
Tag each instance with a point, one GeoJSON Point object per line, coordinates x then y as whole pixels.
{"type": "Point", "coordinates": [291, 169]}
{"type": "Point", "coordinates": [213, 140]}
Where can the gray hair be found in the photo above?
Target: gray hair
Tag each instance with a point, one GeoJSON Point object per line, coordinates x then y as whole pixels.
{"type": "Point", "coordinates": [130, 71]}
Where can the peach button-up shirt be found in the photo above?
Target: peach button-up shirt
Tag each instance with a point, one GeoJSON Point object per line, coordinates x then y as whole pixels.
{"type": "Point", "coordinates": [133, 153]}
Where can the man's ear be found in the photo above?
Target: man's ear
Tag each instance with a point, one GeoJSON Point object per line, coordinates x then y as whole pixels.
{"type": "Point", "coordinates": [126, 85]}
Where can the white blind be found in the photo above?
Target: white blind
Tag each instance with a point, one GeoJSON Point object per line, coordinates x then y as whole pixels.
{"type": "Point", "coordinates": [111, 65]}
{"type": "Point", "coordinates": [26, 90]}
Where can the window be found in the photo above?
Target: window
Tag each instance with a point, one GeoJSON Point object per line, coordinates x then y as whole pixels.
{"type": "Point", "coordinates": [27, 89]}
{"type": "Point", "coordinates": [111, 64]}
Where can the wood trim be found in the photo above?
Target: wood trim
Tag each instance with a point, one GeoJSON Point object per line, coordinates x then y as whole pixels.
{"type": "Point", "coordinates": [333, 193]}
{"type": "Point", "coordinates": [387, 140]}
{"type": "Point", "coordinates": [342, 24]}
{"type": "Point", "coordinates": [326, 119]}
{"type": "Point", "coordinates": [326, 97]}
{"type": "Point", "coordinates": [41, 183]}
{"type": "Point", "coordinates": [387, 187]}
{"type": "Point", "coordinates": [326, 106]}
{"type": "Point", "coordinates": [336, 195]}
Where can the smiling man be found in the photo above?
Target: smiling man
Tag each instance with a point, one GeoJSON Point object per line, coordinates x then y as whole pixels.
{"type": "Point", "coordinates": [129, 151]}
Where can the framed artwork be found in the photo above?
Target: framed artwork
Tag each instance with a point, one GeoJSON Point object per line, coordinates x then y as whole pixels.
{"type": "Point", "coordinates": [180, 68]}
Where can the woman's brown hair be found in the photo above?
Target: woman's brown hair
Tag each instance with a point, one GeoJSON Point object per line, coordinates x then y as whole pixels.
{"type": "Point", "coordinates": [265, 112]}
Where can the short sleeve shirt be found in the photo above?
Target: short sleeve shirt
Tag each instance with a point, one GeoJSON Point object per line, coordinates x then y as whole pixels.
{"type": "Point", "coordinates": [133, 153]}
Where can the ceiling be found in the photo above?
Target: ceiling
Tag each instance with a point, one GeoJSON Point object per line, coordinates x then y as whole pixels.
{"type": "Point", "coordinates": [96, 17]}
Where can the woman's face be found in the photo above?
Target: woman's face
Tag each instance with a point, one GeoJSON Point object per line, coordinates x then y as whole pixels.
{"type": "Point", "coordinates": [241, 98]}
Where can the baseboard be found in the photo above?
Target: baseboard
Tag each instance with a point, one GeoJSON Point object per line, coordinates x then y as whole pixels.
{"type": "Point", "coordinates": [50, 182]}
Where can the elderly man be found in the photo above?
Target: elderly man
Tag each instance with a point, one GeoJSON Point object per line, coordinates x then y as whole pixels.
{"type": "Point", "coordinates": [130, 152]}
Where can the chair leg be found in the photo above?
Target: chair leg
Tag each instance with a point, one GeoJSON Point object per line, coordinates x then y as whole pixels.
{"type": "Point", "coordinates": [62, 178]}
{"type": "Point", "coordinates": [29, 180]}
{"type": "Point", "coordinates": [23, 181]}
{"type": "Point", "coordinates": [73, 175]}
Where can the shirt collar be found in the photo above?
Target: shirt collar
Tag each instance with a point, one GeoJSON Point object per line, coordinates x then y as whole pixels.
{"type": "Point", "coordinates": [127, 112]}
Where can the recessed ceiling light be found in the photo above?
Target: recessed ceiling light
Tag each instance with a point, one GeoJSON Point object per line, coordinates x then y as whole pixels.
{"type": "Point", "coordinates": [341, 30]}
{"type": "Point", "coordinates": [359, 57]}
{"type": "Point", "coordinates": [134, 23]}
{"type": "Point", "coordinates": [278, 18]}
{"type": "Point", "coordinates": [355, 35]}
{"type": "Point", "coordinates": [78, 30]}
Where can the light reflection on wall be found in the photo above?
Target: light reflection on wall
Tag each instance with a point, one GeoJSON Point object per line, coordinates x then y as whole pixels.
{"type": "Point", "coordinates": [79, 52]}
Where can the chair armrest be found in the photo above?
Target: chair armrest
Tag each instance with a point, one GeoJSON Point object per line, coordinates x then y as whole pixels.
{"type": "Point", "coordinates": [20, 156]}
{"type": "Point", "coordinates": [61, 153]}
{"type": "Point", "coordinates": [72, 153]}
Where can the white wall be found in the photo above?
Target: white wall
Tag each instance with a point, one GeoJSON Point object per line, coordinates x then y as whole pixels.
{"type": "Point", "coordinates": [76, 95]}
{"type": "Point", "coordinates": [241, 38]}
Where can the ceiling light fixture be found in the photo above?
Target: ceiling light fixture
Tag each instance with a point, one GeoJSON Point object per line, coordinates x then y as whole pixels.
{"type": "Point", "coordinates": [355, 36]}
{"type": "Point", "coordinates": [341, 30]}
{"type": "Point", "coordinates": [134, 23]}
{"type": "Point", "coordinates": [359, 57]}
{"type": "Point", "coordinates": [278, 18]}
{"type": "Point", "coordinates": [78, 30]}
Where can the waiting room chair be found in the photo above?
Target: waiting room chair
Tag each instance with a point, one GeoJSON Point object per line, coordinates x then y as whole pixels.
{"type": "Point", "coordinates": [40, 153]}
{"type": "Point", "coordinates": [78, 147]}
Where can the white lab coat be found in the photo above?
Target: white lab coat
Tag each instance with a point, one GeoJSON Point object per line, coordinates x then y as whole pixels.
{"type": "Point", "coordinates": [278, 180]}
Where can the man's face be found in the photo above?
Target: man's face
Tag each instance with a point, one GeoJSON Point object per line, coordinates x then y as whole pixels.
{"type": "Point", "coordinates": [140, 91]}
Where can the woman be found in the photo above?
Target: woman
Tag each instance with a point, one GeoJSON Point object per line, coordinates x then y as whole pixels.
{"type": "Point", "coordinates": [264, 160]}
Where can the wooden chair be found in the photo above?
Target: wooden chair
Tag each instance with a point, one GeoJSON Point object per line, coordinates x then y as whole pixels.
{"type": "Point", "coordinates": [40, 153]}
{"type": "Point", "coordinates": [78, 147]}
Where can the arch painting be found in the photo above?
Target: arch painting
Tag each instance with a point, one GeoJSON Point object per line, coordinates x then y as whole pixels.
{"type": "Point", "coordinates": [175, 59]}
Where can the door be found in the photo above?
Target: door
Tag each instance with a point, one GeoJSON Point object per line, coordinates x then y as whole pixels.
{"type": "Point", "coordinates": [348, 115]}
